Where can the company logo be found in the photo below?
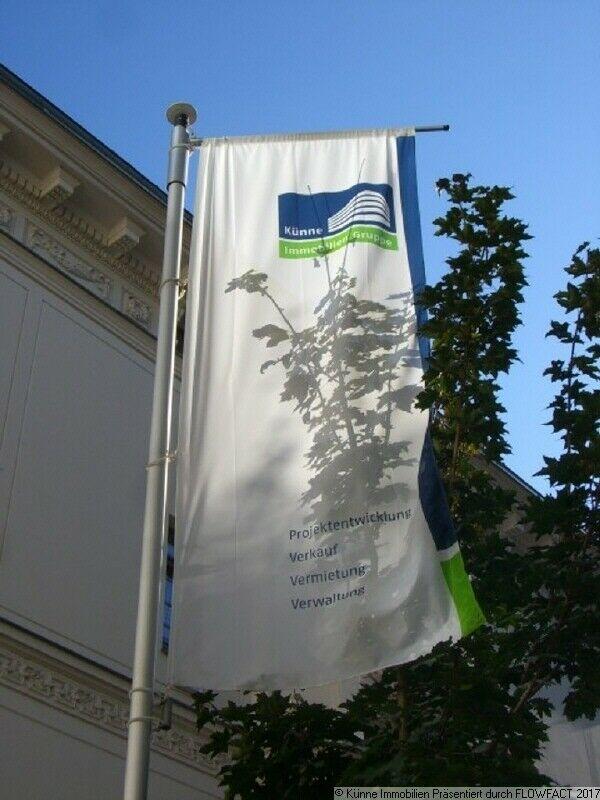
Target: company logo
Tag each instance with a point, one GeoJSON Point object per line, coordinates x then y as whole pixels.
{"type": "Point", "coordinates": [312, 225]}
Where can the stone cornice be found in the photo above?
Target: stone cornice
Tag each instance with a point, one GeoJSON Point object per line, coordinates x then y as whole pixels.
{"type": "Point", "coordinates": [63, 687]}
{"type": "Point", "coordinates": [28, 112]}
{"type": "Point", "coordinates": [22, 188]}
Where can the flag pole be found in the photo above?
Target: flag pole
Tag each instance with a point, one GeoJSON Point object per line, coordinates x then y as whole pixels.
{"type": "Point", "coordinates": [180, 115]}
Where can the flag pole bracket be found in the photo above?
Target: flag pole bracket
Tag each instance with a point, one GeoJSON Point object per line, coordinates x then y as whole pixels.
{"type": "Point", "coordinates": [170, 455]}
{"type": "Point", "coordinates": [195, 142]}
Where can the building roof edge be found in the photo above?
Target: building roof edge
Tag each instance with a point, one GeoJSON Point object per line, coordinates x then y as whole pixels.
{"type": "Point", "coordinates": [18, 85]}
{"type": "Point", "coordinates": [517, 478]}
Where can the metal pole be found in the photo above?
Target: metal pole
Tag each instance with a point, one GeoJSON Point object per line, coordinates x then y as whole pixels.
{"type": "Point", "coordinates": [180, 116]}
{"type": "Point", "coordinates": [197, 142]}
{"type": "Point", "coordinates": [431, 128]}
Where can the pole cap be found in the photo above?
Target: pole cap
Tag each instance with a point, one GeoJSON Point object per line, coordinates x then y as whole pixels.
{"type": "Point", "coordinates": [177, 111]}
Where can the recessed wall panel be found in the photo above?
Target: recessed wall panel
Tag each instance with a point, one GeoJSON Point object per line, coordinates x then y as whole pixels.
{"type": "Point", "coordinates": [13, 297]}
{"type": "Point", "coordinates": [72, 545]}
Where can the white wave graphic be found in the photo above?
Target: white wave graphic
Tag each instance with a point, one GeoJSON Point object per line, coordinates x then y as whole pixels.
{"type": "Point", "coordinates": [368, 206]}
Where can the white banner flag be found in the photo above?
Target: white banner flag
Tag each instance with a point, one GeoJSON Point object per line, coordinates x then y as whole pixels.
{"type": "Point", "coordinates": [313, 541]}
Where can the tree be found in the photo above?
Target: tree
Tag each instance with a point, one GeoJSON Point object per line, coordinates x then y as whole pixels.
{"type": "Point", "coordinates": [561, 641]}
{"type": "Point", "coordinates": [471, 711]}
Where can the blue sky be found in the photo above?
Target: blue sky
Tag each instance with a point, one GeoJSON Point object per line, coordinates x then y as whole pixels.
{"type": "Point", "coordinates": [517, 81]}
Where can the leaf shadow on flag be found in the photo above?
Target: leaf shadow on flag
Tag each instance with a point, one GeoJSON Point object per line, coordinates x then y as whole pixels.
{"type": "Point", "coordinates": [205, 557]}
{"type": "Point", "coordinates": [343, 375]}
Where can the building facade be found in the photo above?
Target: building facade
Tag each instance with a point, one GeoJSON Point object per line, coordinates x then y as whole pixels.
{"type": "Point", "coordinates": [80, 253]}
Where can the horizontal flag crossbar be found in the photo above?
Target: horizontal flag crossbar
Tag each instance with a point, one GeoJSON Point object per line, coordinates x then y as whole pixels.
{"type": "Point", "coordinates": [290, 137]}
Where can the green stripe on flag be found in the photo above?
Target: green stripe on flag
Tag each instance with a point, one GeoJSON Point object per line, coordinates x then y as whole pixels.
{"type": "Point", "coordinates": [313, 248]}
{"type": "Point", "coordinates": [459, 586]}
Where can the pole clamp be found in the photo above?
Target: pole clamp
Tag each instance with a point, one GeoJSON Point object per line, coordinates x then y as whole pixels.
{"type": "Point", "coordinates": [181, 282]}
{"type": "Point", "coordinates": [146, 689]}
{"type": "Point", "coordinates": [164, 721]}
{"type": "Point", "coordinates": [151, 720]}
{"type": "Point", "coordinates": [170, 455]}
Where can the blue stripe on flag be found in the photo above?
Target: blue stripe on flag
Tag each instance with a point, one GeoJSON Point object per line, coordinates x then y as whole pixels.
{"type": "Point", "coordinates": [407, 171]}
{"type": "Point", "coordinates": [433, 498]}
{"type": "Point", "coordinates": [431, 488]}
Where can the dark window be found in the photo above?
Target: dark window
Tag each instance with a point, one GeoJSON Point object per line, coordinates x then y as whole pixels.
{"type": "Point", "coordinates": [168, 595]}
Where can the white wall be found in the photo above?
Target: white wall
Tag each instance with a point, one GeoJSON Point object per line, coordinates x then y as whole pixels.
{"type": "Point", "coordinates": [572, 754]}
{"type": "Point", "coordinates": [74, 409]}
{"type": "Point", "coordinates": [48, 755]}
{"type": "Point", "coordinates": [75, 399]}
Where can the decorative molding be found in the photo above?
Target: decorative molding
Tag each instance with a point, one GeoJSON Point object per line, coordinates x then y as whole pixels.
{"type": "Point", "coordinates": [136, 308]}
{"type": "Point", "coordinates": [77, 229]}
{"type": "Point", "coordinates": [52, 250]}
{"type": "Point", "coordinates": [6, 217]}
{"type": "Point", "coordinates": [124, 236]}
{"type": "Point", "coordinates": [66, 692]}
{"type": "Point", "coordinates": [57, 187]}
{"type": "Point", "coordinates": [27, 262]}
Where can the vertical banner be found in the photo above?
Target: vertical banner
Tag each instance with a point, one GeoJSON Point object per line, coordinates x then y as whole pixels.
{"type": "Point", "coordinates": [313, 541]}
